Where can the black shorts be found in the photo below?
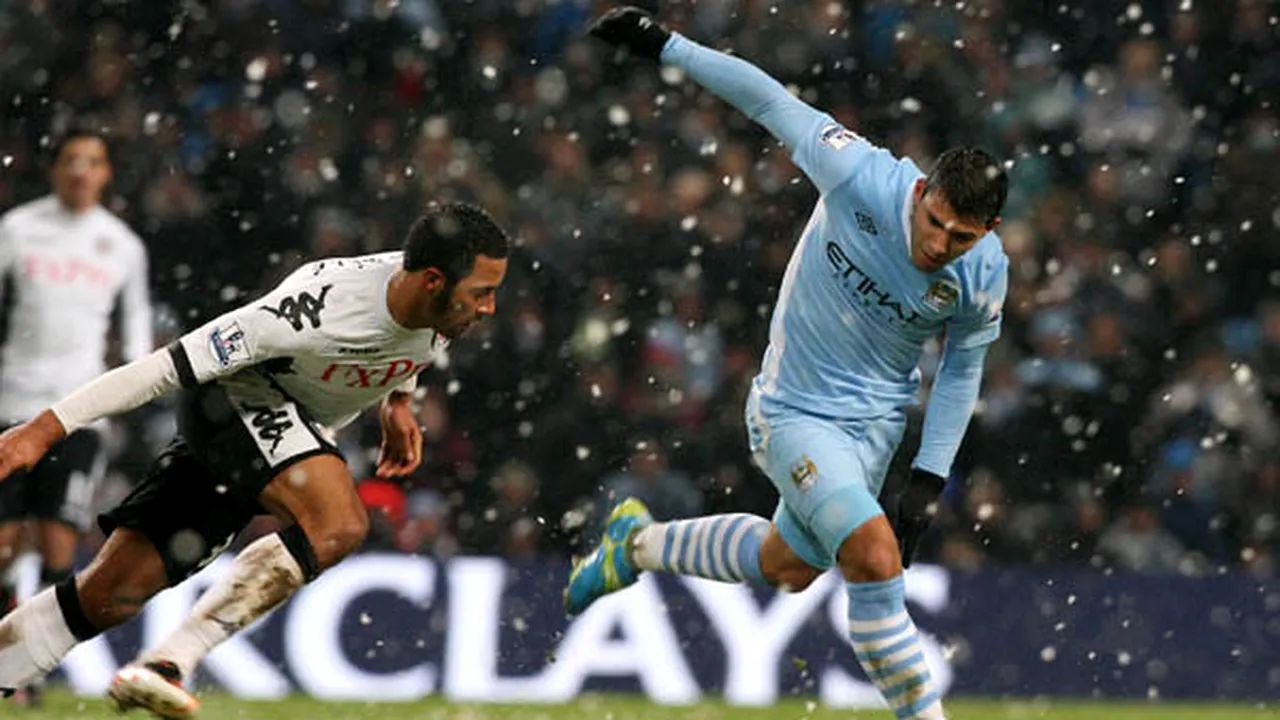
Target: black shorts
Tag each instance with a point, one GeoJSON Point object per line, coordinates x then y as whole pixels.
{"type": "Point", "coordinates": [60, 487]}
{"type": "Point", "coordinates": [234, 436]}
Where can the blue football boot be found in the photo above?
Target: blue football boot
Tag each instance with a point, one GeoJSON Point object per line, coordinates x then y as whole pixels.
{"type": "Point", "coordinates": [609, 567]}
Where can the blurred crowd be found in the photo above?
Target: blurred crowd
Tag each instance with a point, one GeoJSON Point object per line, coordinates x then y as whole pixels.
{"type": "Point", "coordinates": [1128, 414]}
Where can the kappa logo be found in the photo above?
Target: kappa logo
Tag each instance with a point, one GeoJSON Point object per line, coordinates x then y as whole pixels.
{"type": "Point", "coordinates": [804, 473]}
{"type": "Point", "coordinates": [941, 295]}
{"type": "Point", "coordinates": [295, 308]}
{"type": "Point", "coordinates": [271, 424]}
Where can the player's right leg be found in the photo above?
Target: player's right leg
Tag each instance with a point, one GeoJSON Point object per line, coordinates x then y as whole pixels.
{"type": "Point", "coordinates": [734, 547]}
{"type": "Point", "coordinates": [609, 567]}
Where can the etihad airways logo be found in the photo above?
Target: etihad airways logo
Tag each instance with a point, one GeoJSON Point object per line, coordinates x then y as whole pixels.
{"type": "Point", "coordinates": [865, 288]}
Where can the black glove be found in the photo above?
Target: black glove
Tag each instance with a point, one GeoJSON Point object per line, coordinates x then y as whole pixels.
{"type": "Point", "coordinates": [632, 29]}
{"type": "Point", "coordinates": [914, 510]}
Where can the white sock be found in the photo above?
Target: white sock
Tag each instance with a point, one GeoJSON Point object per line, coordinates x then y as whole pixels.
{"type": "Point", "coordinates": [33, 640]}
{"type": "Point", "coordinates": [265, 574]}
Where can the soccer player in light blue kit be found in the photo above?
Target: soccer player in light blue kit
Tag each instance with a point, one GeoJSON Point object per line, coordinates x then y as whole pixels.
{"type": "Point", "coordinates": [890, 259]}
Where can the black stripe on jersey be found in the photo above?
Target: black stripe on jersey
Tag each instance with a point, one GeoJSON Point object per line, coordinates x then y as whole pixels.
{"type": "Point", "coordinates": [8, 304]}
{"type": "Point", "coordinates": [186, 375]}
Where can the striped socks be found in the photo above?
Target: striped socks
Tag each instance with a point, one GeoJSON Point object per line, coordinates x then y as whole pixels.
{"type": "Point", "coordinates": [888, 648]}
{"type": "Point", "coordinates": [717, 547]}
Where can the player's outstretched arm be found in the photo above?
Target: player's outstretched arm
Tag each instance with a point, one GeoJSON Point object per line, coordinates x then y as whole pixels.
{"type": "Point", "coordinates": [274, 325]}
{"type": "Point", "coordinates": [120, 390]}
{"type": "Point", "coordinates": [802, 128]}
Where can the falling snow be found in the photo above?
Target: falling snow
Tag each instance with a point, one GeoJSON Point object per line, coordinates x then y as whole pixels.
{"type": "Point", "coordinates": [1127, 427]}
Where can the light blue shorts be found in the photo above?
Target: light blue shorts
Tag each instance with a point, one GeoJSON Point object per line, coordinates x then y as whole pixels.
{"type": "Point", "coordinates": [828, 472]}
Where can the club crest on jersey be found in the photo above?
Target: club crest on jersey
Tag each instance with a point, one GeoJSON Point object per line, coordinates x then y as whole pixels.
{"type": "Point", "coordinates": [804, 473]}
{"type": "Point", "coordinates": [941, 295]}
{"type": "Point", "coordinates": [837, 136]}
{"type": "Point", "coordinates": [228, 346]}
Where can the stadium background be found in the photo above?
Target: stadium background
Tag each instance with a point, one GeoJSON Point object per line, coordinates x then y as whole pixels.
{"type": "Point", "coordinates": [1127, 428]}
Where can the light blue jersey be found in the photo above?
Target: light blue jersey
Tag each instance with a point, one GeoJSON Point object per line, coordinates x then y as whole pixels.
{"type": "Point", "coordinates": [853, 313]}
{"type": "Point", "coordinates": [853, 316]}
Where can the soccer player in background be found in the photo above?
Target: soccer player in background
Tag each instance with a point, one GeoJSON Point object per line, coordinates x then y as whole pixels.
{"type": "Point", "coordinates": [261, 390]}
{"type": "Point", "coordinates": [890, 259]}
{"type": "Point", "coordinates": [69, 269]}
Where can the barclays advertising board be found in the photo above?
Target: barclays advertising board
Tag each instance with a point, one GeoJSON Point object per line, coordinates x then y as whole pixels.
{"type": "Point", "coordinates": [394, 627]}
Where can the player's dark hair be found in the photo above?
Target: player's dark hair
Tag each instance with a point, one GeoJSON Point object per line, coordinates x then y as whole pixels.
{"type": "Point", "coordinates": [973, 182]}
{"type": "Point", "coordinates": [449, 236]}
{"type": "Point", "coordinates": [79, 130]}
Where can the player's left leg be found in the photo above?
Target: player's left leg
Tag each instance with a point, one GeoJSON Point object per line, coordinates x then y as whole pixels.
{"type": "Point", "coordinates": [112, 589]}
{"type": "Point", "coordinates": [883, 635]}
{"type": "Point", "coordinates": [57, 543]}
{"type": "Point", "coordinates": [850, 524]}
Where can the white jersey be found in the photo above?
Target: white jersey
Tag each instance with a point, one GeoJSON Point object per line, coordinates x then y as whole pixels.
{"type": "Point", "coordinates": [62, 277]}
{"type": "Point", "coordinates": [324, 336]}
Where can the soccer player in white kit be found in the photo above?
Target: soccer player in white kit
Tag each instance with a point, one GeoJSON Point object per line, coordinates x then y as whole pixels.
{"type": "Point", "coordinates": [69, 268]}
{"type": "Point", "coordinates": [261, 389]}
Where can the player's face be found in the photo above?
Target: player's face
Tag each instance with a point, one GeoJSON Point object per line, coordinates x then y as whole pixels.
{"type": "Point", "coordinates": [938, 235]}
{"type": "Point", "coordinates": [80, 172]}
{"type": "Point", "coordinates": [473, 298]}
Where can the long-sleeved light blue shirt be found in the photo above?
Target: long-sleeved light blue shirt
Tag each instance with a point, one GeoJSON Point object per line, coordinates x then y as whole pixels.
{"type": "Point", "coordinates": [853, 313]}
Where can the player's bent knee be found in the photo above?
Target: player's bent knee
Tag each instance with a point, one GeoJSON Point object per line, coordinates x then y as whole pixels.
{"type": "Point", "coordinates": [317, 495]}
{"type": "Point", "coordinates": [782, 567]}
{"type": "Point", "coordinates": [334, 540]}
{"type": "Point", "coordinates": [870, 553]}
{"type": "Point", "coordinates": [795, 579]}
